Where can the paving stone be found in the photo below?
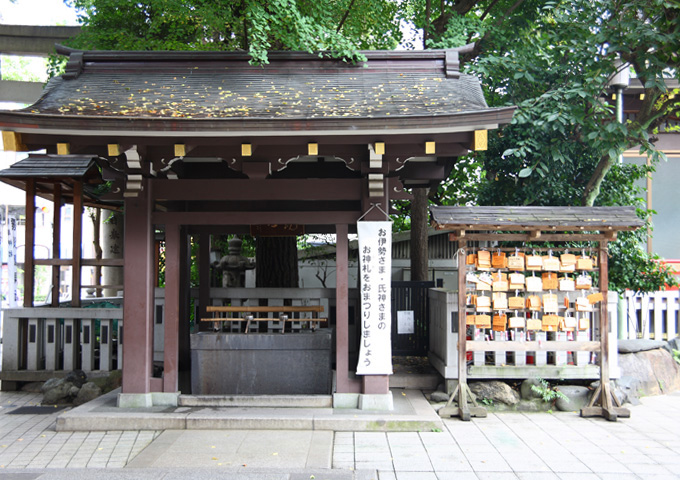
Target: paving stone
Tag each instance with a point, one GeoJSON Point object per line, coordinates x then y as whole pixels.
{"type": "Point", "coordinates": [416, 476]}
{"type": "Point", "coordinates": [456, 476]}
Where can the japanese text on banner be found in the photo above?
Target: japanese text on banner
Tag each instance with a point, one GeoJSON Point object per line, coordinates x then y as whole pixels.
{"type": "Point", "coordinates": [375, 270]}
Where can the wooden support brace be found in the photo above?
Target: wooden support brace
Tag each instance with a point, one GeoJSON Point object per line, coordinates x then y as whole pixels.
{"type": "Point", "coordinates": [464, 411]}
{"type": "Point", "coordinates": [601, 405]}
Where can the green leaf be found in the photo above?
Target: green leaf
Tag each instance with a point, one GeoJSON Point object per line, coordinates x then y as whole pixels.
{"type": "Point", "coordinates": [525, 172]}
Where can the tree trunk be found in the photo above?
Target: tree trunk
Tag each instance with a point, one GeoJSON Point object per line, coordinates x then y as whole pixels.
{"type": "Point", "coordinates": [592, 189]}
{"type": "Point", "coordinates": [276, 262]}
{"type": "Point", "coordinates": [419, 218]}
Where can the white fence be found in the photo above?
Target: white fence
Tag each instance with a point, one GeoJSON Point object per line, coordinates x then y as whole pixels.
{"type": "Point", "coordinates": [37, 341]}
{"type": "Point", "coordinates": [650, 316]}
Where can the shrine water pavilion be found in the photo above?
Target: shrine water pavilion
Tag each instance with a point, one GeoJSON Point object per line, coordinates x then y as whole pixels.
{"type": "Point", "coordinates": [193, 144]}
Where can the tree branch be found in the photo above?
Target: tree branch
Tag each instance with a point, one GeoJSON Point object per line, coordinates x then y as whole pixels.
{"type": "Point", "coordinates": [344, 17]}
{"type": "Point", "coordinates": [426, 30]}
{"type": "Point", "coordinates": [488, 10]}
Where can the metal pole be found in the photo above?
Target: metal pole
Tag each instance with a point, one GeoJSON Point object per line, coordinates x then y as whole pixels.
{"type": "Point", "coordinates": [619, 112]}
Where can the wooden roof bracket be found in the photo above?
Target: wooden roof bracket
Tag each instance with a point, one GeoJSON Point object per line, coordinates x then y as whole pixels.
{"type": "Point", "coordinates": [452, 64]}
{"type": "Point", "coordinates": [610, 235]}
{"type": "Point", "coordinates": [74, 66]}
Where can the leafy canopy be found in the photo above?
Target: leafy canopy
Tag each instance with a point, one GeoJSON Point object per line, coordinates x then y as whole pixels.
{"type": "Point", "coordinates": [554, 61]}
{"type": "Point", "coordinates": [337, 27]}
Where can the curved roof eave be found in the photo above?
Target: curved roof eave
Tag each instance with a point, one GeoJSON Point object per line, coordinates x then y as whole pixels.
{"type": "Point", "coordinates": [88, 125]}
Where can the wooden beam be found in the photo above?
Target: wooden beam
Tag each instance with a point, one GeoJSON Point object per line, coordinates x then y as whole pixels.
{"type": "Point", "coordinates": [29, 244]}
{"type": "Point", "coordinates": [253, 190]}
{"type": "Point", "coordinates": [523, 237]}
{"type": "Point", "coordinates": [532, 346]}
{"type": "Point", "coordinates": [56, 242]}
{"type": "Point", "coordinates": [85, 262]}
{"type": "Point", "coordinates": [256, 218]}
{"type": "Point", "coordinates": [77, 243]}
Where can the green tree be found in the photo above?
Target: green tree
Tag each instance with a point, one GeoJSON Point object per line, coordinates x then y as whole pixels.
{"type": "Point", "coordinates": [554, 59]}
{"type": "Point", "coordinates": [338, 27]}
{"type": "Point", "coordinates": [335, 28]}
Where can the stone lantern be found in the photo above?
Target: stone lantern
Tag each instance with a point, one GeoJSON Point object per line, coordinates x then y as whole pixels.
{"type": "Point", "coordinates": [234, 265]}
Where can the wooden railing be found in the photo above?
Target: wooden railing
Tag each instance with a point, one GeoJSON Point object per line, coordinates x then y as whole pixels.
{"type": "Point", "coordinates": [544, 355]}
{"type": "Point", "coordinates": [324, 297]}
{"type": "Point", "coordinates": [650, 316]}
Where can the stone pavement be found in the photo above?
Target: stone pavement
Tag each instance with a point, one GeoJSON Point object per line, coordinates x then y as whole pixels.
{"type": "Point", "coordinates": [502, 446]}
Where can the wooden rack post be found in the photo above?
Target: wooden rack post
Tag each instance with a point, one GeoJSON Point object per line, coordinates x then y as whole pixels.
{"type": "Point", "coordinates": [601, 402]}
{"type": "Point", "coordinates": [462, 392]}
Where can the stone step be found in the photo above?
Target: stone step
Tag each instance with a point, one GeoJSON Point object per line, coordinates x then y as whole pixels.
{"type": "Point", "coordinates": [417, 381]}
{"type": "Point", "coordinates": [411, 413]}
{"type": "Point", "coordinates": [274, 401]}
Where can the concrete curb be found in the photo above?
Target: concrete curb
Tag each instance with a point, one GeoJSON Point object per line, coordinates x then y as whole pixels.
{"type": "Point", "coordinates": [412, 413]}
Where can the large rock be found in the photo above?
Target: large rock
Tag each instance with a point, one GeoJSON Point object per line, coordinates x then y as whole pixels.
{"type": "Point", "coordinates": [439, 396]}
{"type": "Point", "coordinates": [533, 405]}
{"type": "Point", "coordinates": [57, 392]}
{"type": "Point", "coordinates": [495, 391]}
{"type": "Point", "coordinates": [527, 392]}
{"type": "Point", "coordinates": [628, 389]}
{"type": "Point", "coordinates": [577, 397]}
{"type": "Point", "coordinates": [673, 344]}
{"type": "Point", "coordinates": [50, 384]}
{"type": "Point", "coordinates": [87, 392]}
{"type": "Point", "coordinates": [655, 370]}
{"type": "Point", "coordinates": [639, 345]}
{"type": "Point", "coordinates": [76, 377]}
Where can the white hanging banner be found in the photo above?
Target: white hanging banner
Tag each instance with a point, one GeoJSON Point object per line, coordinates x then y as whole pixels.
{"type": "Point", "coordinates": [3, 282]}
{"type": "Point", "coordinates": [12, 283]}
{"type": "Point", "coordinates": [375, 271]}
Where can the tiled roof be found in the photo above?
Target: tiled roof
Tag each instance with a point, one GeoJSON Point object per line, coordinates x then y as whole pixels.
{"type": "Point", "coordinates": [56, 166]}
{"type": "Point", "coordinates": [296, 88]}
{"type": "Point", "coordinates": [513, 218]}
{"type": "Point", "coordinates": [211, 92]}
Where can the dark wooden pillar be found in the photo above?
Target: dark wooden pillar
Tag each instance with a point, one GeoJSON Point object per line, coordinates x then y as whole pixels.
{"type": "Point", "coordinates": [419, 222]}
{"type": "Point", "coordinates": [184, 375]}
{"type": "Point", "coordinates": [343, 383]}
{"type": "Point", "coordinates": [29, 244]}
{"type": "Point", "coordinates": [56, 243]}
{"type": "Point", "coordinates": [204, 279]}
{"type": "Point", "coordinates": [77, 243]}
{"type": "Point", "coordinates": [138, 298]}
{"type": "Point", "coordinates": [173, 259]}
